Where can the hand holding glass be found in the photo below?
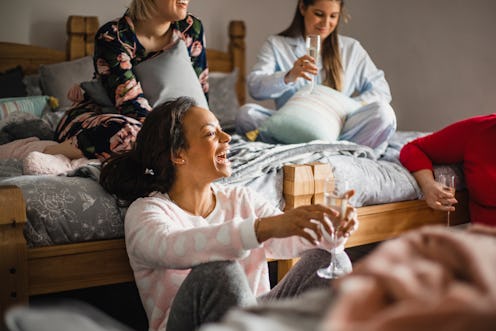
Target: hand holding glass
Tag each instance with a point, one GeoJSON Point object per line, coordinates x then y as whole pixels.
{"type": "Point", "coordinates": [448, 184]}
{"type": "Point", "coordinates": [313, 49]}
{"type": "Point", "coordinates": [335, 197]}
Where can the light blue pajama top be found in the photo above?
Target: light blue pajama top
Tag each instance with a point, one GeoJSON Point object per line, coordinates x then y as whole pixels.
{"type": "Point", "coordinates": [362, 79]}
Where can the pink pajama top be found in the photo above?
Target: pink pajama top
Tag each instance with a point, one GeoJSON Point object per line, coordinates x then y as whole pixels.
{"type": "Point", "coordinates": [163, 242]}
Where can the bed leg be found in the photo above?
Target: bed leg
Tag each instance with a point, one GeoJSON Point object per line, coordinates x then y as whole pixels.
{"type": "Point", "coordinates": [13, 249]}
{"type": "Point", "coordinates": [283, 267]}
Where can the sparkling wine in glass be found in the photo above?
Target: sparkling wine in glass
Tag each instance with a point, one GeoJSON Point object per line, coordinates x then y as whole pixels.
{"type": "Point", "coordinates": [335, 198]}
{"type": "Point", "coordinates": [448, 184]}
{"type": "Point", "coordinates": [312, 42]}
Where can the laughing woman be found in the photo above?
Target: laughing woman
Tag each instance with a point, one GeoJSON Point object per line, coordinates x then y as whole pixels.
{"type": "Point", "coordinates": [198, 248]}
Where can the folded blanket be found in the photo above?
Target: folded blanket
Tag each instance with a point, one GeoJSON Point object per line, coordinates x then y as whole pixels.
{"type": "Point", "coordinates": [429, 279]}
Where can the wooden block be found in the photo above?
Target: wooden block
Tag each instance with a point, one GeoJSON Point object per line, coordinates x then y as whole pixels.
{"type": "Point", "coordinates": [320, 172]}
{"type": "Point", "coordinates": [298, 180]}
{"type": "Point", "coordinates": [298, 186]}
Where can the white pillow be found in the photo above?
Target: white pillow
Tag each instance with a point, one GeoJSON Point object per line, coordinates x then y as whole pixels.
{"type": "Point", "coordinates": [170, 75]}
{"type": "Point", "coordinates": [319, 115]}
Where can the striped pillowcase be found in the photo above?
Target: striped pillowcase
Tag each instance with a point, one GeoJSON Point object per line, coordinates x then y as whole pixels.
{"type": "Point", "coordinates": [34, 105]}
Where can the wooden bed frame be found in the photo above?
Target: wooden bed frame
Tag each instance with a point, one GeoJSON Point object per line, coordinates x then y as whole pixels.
{"type": "Point", "coordinates": [27, 271]}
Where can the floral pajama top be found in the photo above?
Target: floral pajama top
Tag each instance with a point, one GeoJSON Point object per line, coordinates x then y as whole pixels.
{"type": "Point", "coordinates": [99, 133]}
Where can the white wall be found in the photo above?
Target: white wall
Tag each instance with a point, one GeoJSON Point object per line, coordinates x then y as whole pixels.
{"type": "Point", "coordinates": [438, 56]}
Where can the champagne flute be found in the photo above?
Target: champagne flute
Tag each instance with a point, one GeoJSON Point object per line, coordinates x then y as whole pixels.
{"type": "Point", "coordinates": [335, 198]}
{"type": "Point", "coordinates": [448, 184]}
{"type": "Point", "coordinates": [312, 43]}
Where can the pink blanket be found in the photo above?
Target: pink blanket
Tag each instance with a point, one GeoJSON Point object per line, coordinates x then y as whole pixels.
{"type": "Point", "coordinates": [430, 279]}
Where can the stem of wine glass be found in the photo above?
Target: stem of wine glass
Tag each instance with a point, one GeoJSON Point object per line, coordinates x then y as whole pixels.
{"type": "Point", "coordinates": [332, 265]}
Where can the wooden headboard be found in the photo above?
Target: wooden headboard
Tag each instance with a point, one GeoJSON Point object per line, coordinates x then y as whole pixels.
{"type": "Point", "coordinates": [81, 42]}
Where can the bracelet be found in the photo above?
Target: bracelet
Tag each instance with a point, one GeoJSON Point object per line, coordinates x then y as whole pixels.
{"type": "Point", "coordinates": [257, 223]}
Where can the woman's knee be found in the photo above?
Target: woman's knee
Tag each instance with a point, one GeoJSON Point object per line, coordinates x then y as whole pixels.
{"type": "Point", "coordinates": [227, 275]}
{"type": "Point", "coordinates": [385, 115]}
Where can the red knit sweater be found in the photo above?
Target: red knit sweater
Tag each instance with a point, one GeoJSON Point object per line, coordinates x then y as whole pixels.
{"type": "Point", "coordinates": [471, 141]}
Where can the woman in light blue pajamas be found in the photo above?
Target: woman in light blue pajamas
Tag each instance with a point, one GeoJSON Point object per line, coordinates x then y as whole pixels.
{"type": "Point", "coordinates": [283, 68]}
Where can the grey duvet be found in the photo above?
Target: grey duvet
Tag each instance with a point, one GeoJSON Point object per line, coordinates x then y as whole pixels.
{"type": "Point", "coordinates": [74, 207]}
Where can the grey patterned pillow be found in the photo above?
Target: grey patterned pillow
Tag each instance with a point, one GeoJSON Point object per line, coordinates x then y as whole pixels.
{"type": "Point", "coordinates": [223, 99]}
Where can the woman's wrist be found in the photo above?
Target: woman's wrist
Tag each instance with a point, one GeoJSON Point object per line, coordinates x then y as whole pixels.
{"type": "Point", "coordinates": [256, 226]}
{"type": "Point", "coordinates": [287, 78]}
{"type": "Point", "coordinates": [261, 229]}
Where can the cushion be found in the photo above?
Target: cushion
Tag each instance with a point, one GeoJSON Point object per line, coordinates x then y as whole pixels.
{"type": "Point", "coordinates": [58, 78]}
{"type": "Point", "coordinates": [11, 84]}
{"type": "Point", "coordinates": [170, 75]}
{"type": "Point", "coordinates": [223, 100]}
{"type": "Point", "coordinates": [95, 90]}
{"type": "Point", "coordinates": [310, 116]}
{"type": "Point", "coordinates": [35, 105]}
{"type": "Point", "coordinates": [33, 84]}
{"type": "Point", "coordinates": [167, 76]}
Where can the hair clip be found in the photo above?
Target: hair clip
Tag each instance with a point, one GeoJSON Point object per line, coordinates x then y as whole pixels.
{"type": "Point", "coordinates": [149, 172]}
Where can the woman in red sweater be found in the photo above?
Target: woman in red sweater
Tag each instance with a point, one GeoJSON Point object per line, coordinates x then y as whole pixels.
{"type": "Point", "coordinates": [471, 141]}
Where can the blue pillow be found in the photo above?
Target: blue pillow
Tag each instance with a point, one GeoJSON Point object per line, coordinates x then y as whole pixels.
{"type": "Point", "coordinates": [318, 115]}
{"type": "Point", "coordinates": [34, 105]}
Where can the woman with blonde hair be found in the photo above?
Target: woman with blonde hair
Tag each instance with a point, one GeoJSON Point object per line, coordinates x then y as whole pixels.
{"type": "Point", "coordinates": [96, 130]}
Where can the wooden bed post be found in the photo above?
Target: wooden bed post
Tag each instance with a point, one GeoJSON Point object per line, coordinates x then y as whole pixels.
{"type": "Point", "coordinates": [81, 32]}
{"type": "Point", "coordinates": [320, 172]}
{"type": "Point", "coordinates": [298, 187]}
{"type": "Point", "coordinates": [298, 190]}
{"type": "Point", "coordinates": [237, 49]}
{"type": "Point", "coordinates": [13, 249]}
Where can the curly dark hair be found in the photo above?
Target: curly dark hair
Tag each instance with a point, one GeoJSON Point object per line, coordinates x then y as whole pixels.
{"type": "Point", "coordinates": [148, 166]}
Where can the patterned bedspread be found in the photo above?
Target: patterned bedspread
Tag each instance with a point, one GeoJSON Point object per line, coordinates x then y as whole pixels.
{"type": "Point", "coordinates": [74, 207]}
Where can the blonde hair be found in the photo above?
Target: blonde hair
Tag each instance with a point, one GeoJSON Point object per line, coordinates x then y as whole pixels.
{"type": "Point", "coordinates": [141, 10]}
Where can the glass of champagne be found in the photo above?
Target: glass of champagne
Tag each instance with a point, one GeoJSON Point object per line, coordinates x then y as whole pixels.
{"type": "Point", "coordinates": [335, 198]}
{"type": "Point", "coordinates": [448, 184]}
{"type": "Point", "coordinates": [312, 42]}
